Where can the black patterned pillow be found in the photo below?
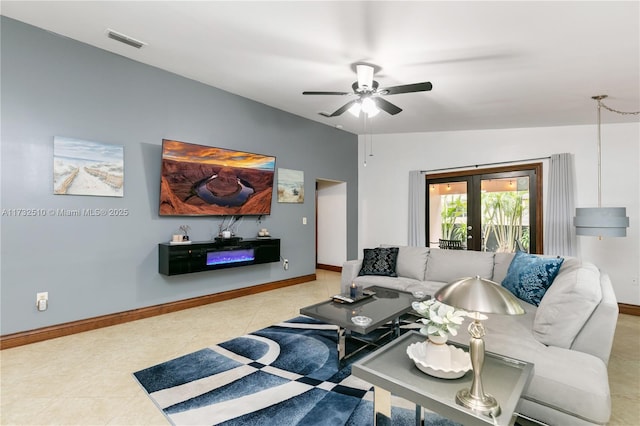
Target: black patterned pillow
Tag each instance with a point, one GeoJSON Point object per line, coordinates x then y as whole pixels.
{"type": "Point", "coordinates": [380, 261]}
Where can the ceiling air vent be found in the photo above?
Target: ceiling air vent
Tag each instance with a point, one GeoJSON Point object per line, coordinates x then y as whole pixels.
{"type": "Point", "coordinates": [125, 39]}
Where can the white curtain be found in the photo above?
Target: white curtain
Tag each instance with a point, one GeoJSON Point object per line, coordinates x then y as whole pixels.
{"type": "Point", "coordinates": [417, 205]}
{"type": "Point", "coordinates": [559, 233]}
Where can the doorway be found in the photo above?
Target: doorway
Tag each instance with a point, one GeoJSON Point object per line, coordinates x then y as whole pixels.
{"type": "Point", "coordinates": [331, 224]}
{"type": "Point", "coordinates": [497, 210]}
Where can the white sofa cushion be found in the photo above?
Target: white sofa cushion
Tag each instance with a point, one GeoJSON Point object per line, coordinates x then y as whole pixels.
{"type": "Point", "coordinates": [568, 303]}
{"type": "Point", "coordinates": [450, 265]}
{"type": "Point", "coordinates": [412, 261]}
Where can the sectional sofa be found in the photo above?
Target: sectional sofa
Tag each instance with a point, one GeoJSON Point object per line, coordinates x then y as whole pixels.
{"type": "Point", "coordinates": [568, 336]}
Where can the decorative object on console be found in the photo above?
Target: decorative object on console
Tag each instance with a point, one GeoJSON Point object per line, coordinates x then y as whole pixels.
{"type": "Point", "coordinates": [179, 239]}
{"type": "Point", "coordinates": [199, 180]}
{"type": "Point", "coordinates": [380, 261]}
{"type": "Point", "coordinates": [529, 276]}
{"type": "Point", "coordinates": [602, 221]}
{"type": "Point", "coordinates": [480, 296]}
{"type": "Point", "coordinates": [87, 168]}
{"type": "Point", "coordinates": [290, 186]}
{"type": "Point", "coordinates": [229, 231]}
{"type": "Point", "coordinates": [263, 233]}
{"type": "Point", "coordinates": [185, 230]}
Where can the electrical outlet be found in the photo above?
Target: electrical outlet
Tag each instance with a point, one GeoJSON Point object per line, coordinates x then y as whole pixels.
{"type": "Point", "coordinates": [42, 300]}
{"type": "Point", "coordinates": [304, 220]}
{"type": "Point", "coordinates": [285, 264]}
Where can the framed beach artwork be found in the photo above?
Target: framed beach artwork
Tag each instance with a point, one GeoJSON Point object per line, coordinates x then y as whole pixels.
{"type": "Point", "coordinates": [290, 186]}
{"type": "Point", "coordinates": [83, 167]}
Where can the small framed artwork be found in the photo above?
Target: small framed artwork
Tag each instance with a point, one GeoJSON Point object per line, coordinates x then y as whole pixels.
{"type": "Point", "coordinates": [87, 168]}
{"type": "Point", "coordinates": [290, 186]}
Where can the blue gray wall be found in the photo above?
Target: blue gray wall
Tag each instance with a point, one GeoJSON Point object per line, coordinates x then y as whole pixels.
{"type": "Point", "coordinates": [54, 86]}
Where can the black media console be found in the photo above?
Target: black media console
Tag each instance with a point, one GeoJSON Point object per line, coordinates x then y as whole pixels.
{"type": "Point", "coordinates": [209, 255]}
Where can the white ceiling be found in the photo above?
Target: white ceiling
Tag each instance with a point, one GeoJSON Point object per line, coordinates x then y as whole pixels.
{"type": "Point", "coordinates": [492, 64]}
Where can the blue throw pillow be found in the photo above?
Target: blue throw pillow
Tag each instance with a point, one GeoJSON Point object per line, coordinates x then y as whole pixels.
{"type": "Point", "coordinates": [529, 276]}
{"type": "Point", "coordinates": [380, 261]}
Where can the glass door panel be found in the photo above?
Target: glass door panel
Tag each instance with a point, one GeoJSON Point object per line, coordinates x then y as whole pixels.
{"type": "Point", "coordinates": [505, 214]}
{"type": "Point", "coordinates": [495, 210]}
{"type": "Point", "coordinates": [448, 214]}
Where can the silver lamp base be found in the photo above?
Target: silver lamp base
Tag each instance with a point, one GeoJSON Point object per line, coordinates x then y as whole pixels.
{"type": "Point", "coordinates": [486, 405]}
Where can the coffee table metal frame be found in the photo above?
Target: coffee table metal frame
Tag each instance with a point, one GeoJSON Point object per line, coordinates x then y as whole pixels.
{"type": "Point", "coordinates": [384, 306]}
{"type": "Point", "coordinates": [391, 371]}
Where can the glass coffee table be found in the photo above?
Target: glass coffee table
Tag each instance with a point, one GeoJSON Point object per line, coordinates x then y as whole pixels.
{"type": "Point", "coordinates": [383, 306]}
{"type": "Point", "coordinates": [391, 371]}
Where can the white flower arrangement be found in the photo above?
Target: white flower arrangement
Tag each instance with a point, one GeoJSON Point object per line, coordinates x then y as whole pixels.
{"type": "Point", "coordinates": [440, 319]}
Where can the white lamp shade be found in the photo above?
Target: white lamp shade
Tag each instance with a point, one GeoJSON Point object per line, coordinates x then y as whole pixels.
{"type": "Point", "coordinates": [601, 221]}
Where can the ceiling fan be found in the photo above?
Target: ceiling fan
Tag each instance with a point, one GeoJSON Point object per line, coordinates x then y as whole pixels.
{"type": "Point", "coordinates": [370, 98]}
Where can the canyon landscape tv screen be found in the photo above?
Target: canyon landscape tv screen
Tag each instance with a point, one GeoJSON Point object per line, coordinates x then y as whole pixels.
{"type": "Point", "coordinates": [198, 180]}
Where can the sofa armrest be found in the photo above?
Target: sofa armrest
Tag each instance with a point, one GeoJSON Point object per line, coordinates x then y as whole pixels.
{"type": "Point", "coordinates": [350, 270]}
{"type": "Point", "coordinates": [596, 336]}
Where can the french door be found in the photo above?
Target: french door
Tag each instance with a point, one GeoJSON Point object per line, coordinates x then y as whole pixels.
{"type": "Point", "coordinates": [497, 210]}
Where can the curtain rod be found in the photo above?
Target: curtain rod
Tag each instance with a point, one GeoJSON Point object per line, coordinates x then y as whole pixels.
{"type": "Point", "coordinates": [486, 164]}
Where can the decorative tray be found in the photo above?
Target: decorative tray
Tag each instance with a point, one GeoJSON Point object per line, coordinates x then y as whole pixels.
{"type": "Point", "coordinates": [343, 298]}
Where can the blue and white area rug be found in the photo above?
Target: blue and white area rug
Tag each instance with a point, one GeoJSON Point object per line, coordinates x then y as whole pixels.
{"type": "Point", "coordinates": [286, 374]}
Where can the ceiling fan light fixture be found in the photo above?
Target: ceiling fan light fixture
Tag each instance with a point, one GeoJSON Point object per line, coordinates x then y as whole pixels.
{"type": "Point", "coordinates": [365, 77]}
{"type": "Point", "coordinates": [355, 109]}
{"type": "Point", "coordinates": [369, 107]}
{"type": "Point", "coordinates": [366, 106]}
{"type": "Point", "coordinates": [369, 100]}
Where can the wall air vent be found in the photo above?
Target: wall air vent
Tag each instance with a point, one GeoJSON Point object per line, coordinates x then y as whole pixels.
{"type": "Point", "coordinates": [125, 39]}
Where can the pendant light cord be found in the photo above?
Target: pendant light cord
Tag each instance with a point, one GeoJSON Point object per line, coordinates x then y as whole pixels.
{"type": "Point", "coordinates": [599, 156]}
{"type": "Point", "coordinates": [601, 105]}
{"type": "Point", "coordinates": [615, 110]}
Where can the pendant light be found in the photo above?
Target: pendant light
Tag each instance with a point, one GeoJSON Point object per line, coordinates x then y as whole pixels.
{"type": "Point", "coordinates": [601, 221]}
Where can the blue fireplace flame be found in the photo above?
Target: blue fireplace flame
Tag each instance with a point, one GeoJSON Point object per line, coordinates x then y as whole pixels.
{"type": "Point", "coordinates": [230, 256]}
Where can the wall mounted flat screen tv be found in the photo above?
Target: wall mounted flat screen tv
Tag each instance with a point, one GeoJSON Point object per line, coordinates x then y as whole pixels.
{"type": "Point", "coordinates": [198, 180]}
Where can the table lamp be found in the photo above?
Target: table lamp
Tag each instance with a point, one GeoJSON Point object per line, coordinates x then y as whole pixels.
{"type": "Point", "coordinates": [478, 296]}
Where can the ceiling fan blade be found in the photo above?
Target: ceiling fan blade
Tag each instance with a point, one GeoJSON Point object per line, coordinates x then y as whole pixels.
{"type": "Point", "coordinates": [326, 93]}
{"type": "Point", "coordinates": [340, 110]}
{"type": "Point", "coordinates": [407, 88]}
{"type": "Point", "coordinates": [386, 106]}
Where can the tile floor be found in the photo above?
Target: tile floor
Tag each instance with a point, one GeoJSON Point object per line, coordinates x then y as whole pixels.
{"type": "Point", "coordinates": [85, 379]}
